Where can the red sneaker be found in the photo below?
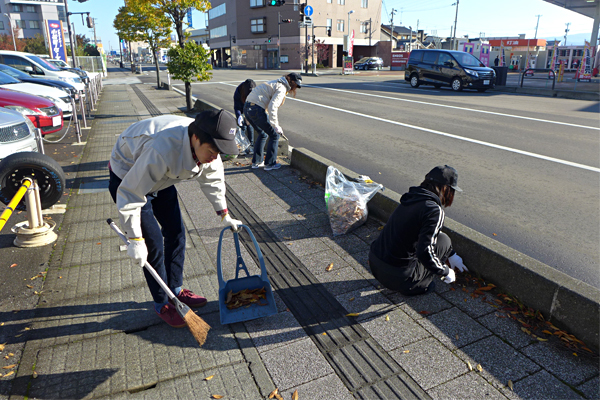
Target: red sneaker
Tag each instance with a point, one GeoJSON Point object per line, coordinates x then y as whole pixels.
{"type": "Point", "coordinates": [190, 299]}
{"type": "Point", "coordinates": [169, 314]}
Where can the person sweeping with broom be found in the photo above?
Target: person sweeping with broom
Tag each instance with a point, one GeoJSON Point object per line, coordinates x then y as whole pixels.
{"type": "Point", "coordinates": [148, 159]}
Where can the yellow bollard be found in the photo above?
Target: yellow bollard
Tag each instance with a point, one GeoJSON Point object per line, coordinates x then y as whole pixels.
{"type": "Point", "coordinates": [14, 202]}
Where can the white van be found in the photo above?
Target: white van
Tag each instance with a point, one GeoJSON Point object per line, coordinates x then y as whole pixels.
{"type": "Point", "coordinates": [38, 67]}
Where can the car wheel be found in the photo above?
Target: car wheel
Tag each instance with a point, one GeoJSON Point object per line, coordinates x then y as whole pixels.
{"type": "Point", "coordinates": [414, 81]}
{"type": "Point", "coordinates": [49, 175]}
{"type": "Point", "coordinates": [457, 84]}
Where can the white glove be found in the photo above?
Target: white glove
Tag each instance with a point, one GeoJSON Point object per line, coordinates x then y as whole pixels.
{"type": "Point", "coordinates": [138, 251]}
{"type": "Point", "coordinates": [457, 262]}
{"type": "Point", "coordinates": [240, 120]}
{"type": "Point", "coordinates": [233, 223]}
{"type": "Point", "coordinates": [279, 130]}
{"type": "Point", "coordinates": [451, 277]}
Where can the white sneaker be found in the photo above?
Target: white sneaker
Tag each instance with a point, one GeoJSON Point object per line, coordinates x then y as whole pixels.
{"type": "Point", "coordinates": [262, 164]}
{"type": "Point", "coordinates": [272, 167]}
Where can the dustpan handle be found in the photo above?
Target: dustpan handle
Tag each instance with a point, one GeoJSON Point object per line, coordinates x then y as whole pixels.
{"type": "Point", "coordinates": [261, 260]}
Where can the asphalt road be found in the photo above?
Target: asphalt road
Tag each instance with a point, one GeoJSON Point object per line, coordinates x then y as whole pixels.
{"type": "Point", "coordinates": [529, 166]}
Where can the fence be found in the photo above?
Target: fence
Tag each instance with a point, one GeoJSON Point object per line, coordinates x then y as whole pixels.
{"type": "Point", "coordinates": [90, 64]}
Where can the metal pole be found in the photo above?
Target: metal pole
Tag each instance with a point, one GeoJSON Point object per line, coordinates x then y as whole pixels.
{"type": "Point", "coordinates": [38, 139]}
{"type": "Point", "coordinates": [455, 20]}
{"type": "Point", "coordinates": [312, 50]}
{"type": "Point", "coordinates": [32, 216]}
{"type": "Point", "coordinates": [370, 31]}
{"type": "Point", "coordinates": [306, 45]}
{"type": "Point", "coordinates": [536, 26]}
{"type": "Point", "coordinates": [12, 31]}
{"type": "Point", "coordinates": [71, 34]}
{"type": "Point", "coordinates": [82, 105]}
{"type": "Point", "coordinates": [279, 39]}
{"type": "Point", "coordinates": [76, 121]}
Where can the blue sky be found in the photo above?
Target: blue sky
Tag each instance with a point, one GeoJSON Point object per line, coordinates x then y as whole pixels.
{"type": "Point", "coordinates": [494, 18]}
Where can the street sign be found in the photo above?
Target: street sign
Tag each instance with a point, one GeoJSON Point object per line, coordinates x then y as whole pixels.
{"type": "Point", "coordinates": [308, 11]}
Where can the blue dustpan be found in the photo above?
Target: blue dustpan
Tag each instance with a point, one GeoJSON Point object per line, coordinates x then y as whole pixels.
{"type": "Point", "coordinates": [254, 310]}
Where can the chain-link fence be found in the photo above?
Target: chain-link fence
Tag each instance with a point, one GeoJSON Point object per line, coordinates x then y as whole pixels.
{"type": "Point", "coordinates": [91, 64]}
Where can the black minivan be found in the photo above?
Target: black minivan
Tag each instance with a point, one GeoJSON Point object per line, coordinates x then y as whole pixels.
{"type": "Point", "coordinates": [456, 69]}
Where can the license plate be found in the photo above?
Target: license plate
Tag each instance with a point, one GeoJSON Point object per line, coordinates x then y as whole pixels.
{"type": "Point", "coordinates": [486, 82]}
{"type": "Point", "coordinates": [56, 121]}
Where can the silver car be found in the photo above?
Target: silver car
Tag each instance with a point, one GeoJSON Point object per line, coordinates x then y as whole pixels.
{"type": "Point", "coordinates": [17, 133]}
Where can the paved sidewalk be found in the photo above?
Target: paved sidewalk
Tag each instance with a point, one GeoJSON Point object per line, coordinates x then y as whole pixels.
{"type": "Point", "coordinates": [94, 334]}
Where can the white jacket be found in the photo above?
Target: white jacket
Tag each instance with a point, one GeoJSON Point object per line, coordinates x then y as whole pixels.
{"type": "Point", "coordinates": [154, 154]}
{"type": "Point", "coordinates": [270, 96]}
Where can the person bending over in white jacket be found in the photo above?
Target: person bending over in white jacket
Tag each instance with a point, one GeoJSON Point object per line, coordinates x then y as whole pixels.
{"type": "Point", "coordinates": [261, 110]}
{"type": "Point", "coordinates": [148, 159]}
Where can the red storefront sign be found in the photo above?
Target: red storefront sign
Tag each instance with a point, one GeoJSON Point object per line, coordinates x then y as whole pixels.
{"type": "Point", "coordinates": [399, 59]}
{"type": "Point", "coordinates": [519, 42]}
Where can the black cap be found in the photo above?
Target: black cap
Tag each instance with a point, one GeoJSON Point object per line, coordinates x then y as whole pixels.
{"type": "Point", "coordinates": [295, 77]}
{"type": "Point", "coordinates": [445, 175]}
{"type": "Point", "coordinates": [221, 126]}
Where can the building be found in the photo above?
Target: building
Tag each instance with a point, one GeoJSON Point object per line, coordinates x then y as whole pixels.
{"type": "Point", "coordinates": [29, 16]}
{"type": "Point", "coordinates": [252, 34]}
{"type": "Point", "coordinates": [200, 36]}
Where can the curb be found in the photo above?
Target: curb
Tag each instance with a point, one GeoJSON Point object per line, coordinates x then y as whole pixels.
{"type": "Point", "coordinates": [565, 301]}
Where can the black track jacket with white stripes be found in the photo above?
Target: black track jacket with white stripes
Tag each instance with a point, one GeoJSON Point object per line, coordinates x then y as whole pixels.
{"type": "Point", "coordinates": [411, 232]}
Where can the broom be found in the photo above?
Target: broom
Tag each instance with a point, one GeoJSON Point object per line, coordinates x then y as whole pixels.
{"type": "Point", "coordinates": [197, 326]}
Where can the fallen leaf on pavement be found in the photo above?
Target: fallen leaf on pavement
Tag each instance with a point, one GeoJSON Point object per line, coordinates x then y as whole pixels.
{"type": "Point", "coordinates": [469, 366]}
{"type": "Point", "coordinates": [217, 396]}
{"type": "Point", "coordinates": [3, 344]}
{"type": "Point", "coordinates": [479, 367]}
{"type": "Point", "coordinates": [510, 384]}
{"type": "Point", "coordinates": [9, 374]}
{"type": "Point", "coordinates": [353, 314]}
{"type": "Point", "coordinates": [351, 299]}
{"type": "Point", "coordinates": [380, 228]}
{"type": "Point", "coordinates": [542, 340]}
{"type": "Point", "coordinates": [14, 265]}
{"type": "Point", "coordinates": [35, 374]}
{"type": "Point", "coordinates": [295, 395]}
{"type": "Point", "coordinates": [273, 393]}
{"type": "Point", "coordinates": [208, 378]}
{"type": "Point", "coordinates": [324, 333]}
{"type": "Point", "coordinates": [387, 317]}
{"type": "Point", "coordinates": [406, 351]}
{"type": "Point", "coordinates": [30, 287]}
{"type": "Point", "coordinates": [424, 312]}
{"type": "Point", "coordinates": [11, 354]}
{"type": "Point", "coordinates": [10, 366]}
{"type": "Point", "coordinates": [329, 267]}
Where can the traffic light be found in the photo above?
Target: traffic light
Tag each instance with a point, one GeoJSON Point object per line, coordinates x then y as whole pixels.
{"type": "Point", "coordinates": [314, 38]}
{"type": "Point", "coordinates": [269, 39]}
{"type": "Point", "coordinates": [277, 3]}
{"type": "Point", "coordinates": [286, 21]}
{"type": "Point", "coordinates": [329, 32]}
{"type": "Point", "coordinates": [302, 12]}
{"type": "Point", "coordinates": [90, 22]}
{"type": "Point", "coordinates": [233, 39]}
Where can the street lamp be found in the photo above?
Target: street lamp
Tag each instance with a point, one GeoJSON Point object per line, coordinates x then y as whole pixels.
{"type": "Point", "coordinates": [349, 12]}
{"type": "Point", "coordinates": [12, 32]}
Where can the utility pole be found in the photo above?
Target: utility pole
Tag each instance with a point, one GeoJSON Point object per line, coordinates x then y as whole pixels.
{"type": "Point", "coordinates": [566, 32]}
{"type": "Point", "coordinates": [455, 21]}
{"type": "Point", "coordinates": [71, 34]}
{"type": "Point", "coordinates": [536, 26]}
{"type": "Point", "coordinates": [95, 40]}
{"type": "Point", "coordinates": [392, 30]}
{"type": "Point", "coordinates": [370, 32]}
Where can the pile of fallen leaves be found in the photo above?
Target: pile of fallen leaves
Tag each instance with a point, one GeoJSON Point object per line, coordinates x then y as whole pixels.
{"type": "Point", "coordinates": [245, 298]}
{"type": "Point", "coordinates": [532, 321]}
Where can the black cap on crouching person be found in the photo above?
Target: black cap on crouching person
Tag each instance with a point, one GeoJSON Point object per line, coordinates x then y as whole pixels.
{"type": "Point", "coordinates": [295, 77]}
{"type": "Point", "coordinates": [220, 126]}
{"type": "Point", "coordinates": [445, 175]}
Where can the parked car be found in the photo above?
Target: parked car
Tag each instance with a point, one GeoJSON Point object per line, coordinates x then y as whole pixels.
{"type": "Point", "coordinates": [369, 63]}
{"type": "Point", "coordinates": [456, 69]}
{"type": "Point", "coordinates": [23, 77]}
{"type": "Point", "coordinates": [57, 96]}
{"type": "Point", "coordinates": [59, 63]}
{"type": "Point", "coordinates": [65, 67]}
{"type": "Point", "coordinates": [36, 66]}
{"type": "Point", "coordinates": [17, 133]}
{"type": "Point", "coordinates": [43, 113]}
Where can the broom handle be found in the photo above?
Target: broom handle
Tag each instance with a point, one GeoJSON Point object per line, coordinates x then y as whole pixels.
{"type": "Point", "coordinates": [152, 271]}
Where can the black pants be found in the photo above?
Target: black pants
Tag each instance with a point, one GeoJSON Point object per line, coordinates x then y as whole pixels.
{"type": "Point", "coordinates": [414, 278]}
{"type": "Point", "coordinates": [165, 242]}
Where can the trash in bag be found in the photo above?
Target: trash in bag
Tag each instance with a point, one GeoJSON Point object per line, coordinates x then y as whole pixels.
{"type": "Point", "coordinates": [241, 140]}
{"type": "Point", "coordinates": [347, 201]}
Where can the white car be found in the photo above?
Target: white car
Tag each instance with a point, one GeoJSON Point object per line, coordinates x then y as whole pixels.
{"type": "Point", "coordinates": [58, 63]}
{"type": "Point", "coordinates": [16, 133]}
{"type": "Point", "coordinates": [57, 96]}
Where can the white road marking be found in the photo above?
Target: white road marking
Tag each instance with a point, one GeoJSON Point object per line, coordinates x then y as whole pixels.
{"type": "Point", "coordinates": [407, 87]}
{"type": "Point", "coordinates": [456, 108]}
{"type": "Point", "coordinates": [492, 145]}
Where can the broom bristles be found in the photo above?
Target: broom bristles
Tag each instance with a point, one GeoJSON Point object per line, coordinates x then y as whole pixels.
{"type": "Point", "coordinates": [197, 326]}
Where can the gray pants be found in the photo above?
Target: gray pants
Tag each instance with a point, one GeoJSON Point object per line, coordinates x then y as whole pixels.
{"type": "Point", "coordinates": [413, 278]}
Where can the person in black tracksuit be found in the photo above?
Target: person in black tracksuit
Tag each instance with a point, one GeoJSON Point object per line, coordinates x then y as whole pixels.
{"type": "Point", "coordinates": [411, 249]}
{"type": "Point", "coordinates": [239, 99]}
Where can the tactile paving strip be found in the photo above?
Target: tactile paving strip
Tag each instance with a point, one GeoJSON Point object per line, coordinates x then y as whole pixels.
{"type": "Point", "coordinates": [364, 367]}
{"type": "Point", "coordinates": [146, 101]}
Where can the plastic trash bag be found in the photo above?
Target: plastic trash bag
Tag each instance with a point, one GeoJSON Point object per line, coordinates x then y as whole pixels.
{"type": "Point", "coordinates": [241, 140]}
{"type": "Point", "coordinates": [347, 201]}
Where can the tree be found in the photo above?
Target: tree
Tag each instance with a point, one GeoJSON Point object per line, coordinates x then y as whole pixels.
{"type": "Point", "coordinates": [322, 51]}
{"type": "Point", "coordinates": [189, 63]}
{"type": "Point", "coordinates": [6, 41]}
{"type": "Point", "coordinates": [176, 10]}
{"type": "Point", "coordinates": [139, 21]}
{"type": "Point", "coordinates": [36, 45]}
